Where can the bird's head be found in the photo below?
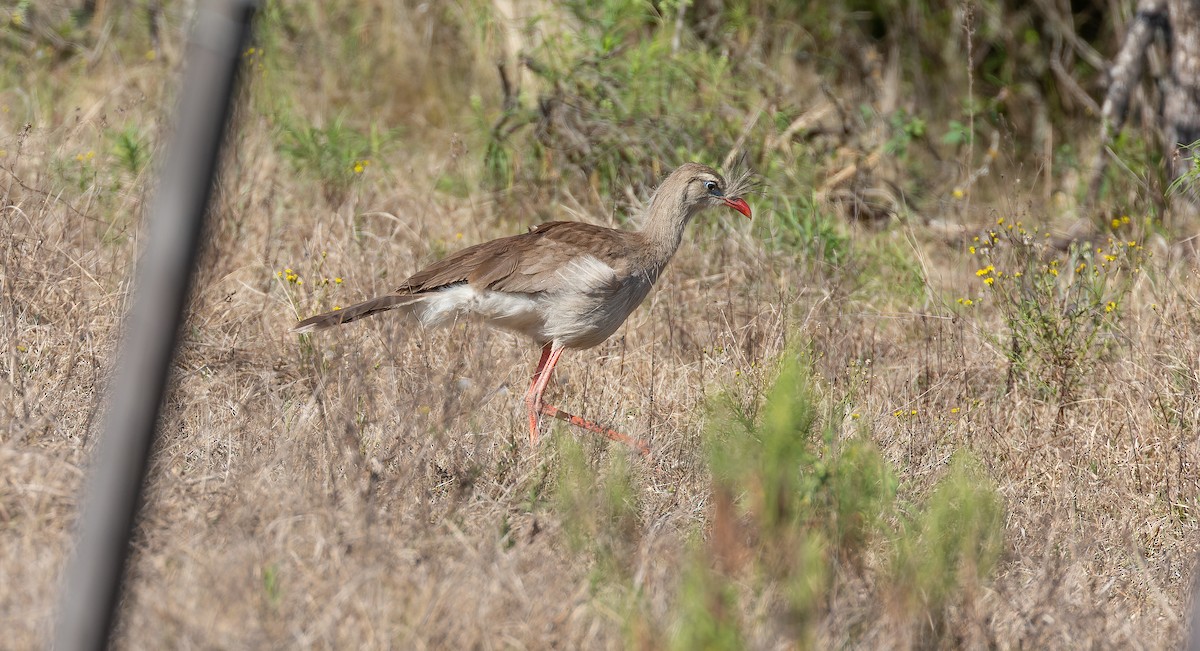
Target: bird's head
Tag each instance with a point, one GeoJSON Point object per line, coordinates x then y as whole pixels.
{"type": "Point", "coordinates": [705, 188]}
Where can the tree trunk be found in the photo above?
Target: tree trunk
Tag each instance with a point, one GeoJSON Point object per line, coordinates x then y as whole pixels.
{"type": "Point", "coordinates": [1181, 92]}
{"type": "Point", "coordinates": [1179, 23]}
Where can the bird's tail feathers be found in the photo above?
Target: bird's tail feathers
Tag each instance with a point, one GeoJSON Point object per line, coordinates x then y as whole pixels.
{"type": "Point", "coordinates": [356, 311]}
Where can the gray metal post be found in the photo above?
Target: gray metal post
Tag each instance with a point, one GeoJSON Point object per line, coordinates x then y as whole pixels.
{"type": "Point", "coordinates": [91, 585]}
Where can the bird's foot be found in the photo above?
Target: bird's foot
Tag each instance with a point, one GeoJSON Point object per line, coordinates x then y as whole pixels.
{"type": "Point", "coordinates": [591, 426]}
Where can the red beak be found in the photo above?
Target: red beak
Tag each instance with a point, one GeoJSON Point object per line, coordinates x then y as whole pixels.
{"type": "Point", "coordinates": [739, 204]}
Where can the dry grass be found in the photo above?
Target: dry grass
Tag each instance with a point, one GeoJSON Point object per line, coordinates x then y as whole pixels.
{"type": "Point", "coordinates": [372, 487]}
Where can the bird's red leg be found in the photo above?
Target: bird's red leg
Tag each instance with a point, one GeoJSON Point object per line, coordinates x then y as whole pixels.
{"type": "Point", "coordinates": [591, 426]}
{"type": "Point", "coordinates": [533, 397]}
{"type": "Point", "coordinates": [533, 401]}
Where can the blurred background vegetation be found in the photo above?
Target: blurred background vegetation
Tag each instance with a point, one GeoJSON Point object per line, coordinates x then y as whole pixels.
{"type": "Point", "coordinates": [881, 109]}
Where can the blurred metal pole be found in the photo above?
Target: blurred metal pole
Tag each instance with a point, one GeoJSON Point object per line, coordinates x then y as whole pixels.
{"type": "Point", "coordinates": [111, 497]}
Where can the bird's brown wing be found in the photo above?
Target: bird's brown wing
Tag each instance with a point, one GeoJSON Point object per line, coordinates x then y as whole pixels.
{"type": "Point", "coordinates": [526, 263]}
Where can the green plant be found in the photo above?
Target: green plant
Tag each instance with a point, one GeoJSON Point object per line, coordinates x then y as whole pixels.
{"type": "Point", "coordinates": [1189, 181]}
{"type": "Point", "coordinates": [1138, 172]}
{"type": "Point", "coordinates": [80, 173]}
{"type": "Point", "coordinates": [799, 224]}
{"type": "Point", "coordinates": [130, 149]}
{"type": "Point", "coordinates": [336, 155]}
{"type": "Point", "coordinates": [805, 499]}
{"type": "Point", "coordinates": [890, 273]}
{"type": "Point", "coordinates": [1059, 312]}
{"type": "Point", "coordinates": [601, 511]}
{"type": "Point", "coordinates": [799, 508]}
{"type": "Point", "coordinates": [957, 133]}
{"type": "Point", "coordinates": [707, 616]}
{"type": "Point", "coordinates": [955, 542]}
{"type": "Point", "coordinates": [621, 101]}
{"type": "Point", "coordinates": [905, 129]}
{"type": "Point", "coordinates": [271, 587]}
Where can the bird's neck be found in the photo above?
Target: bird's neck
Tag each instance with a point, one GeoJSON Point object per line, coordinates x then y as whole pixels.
{"type": "Point", "coordinates": [662, 226]}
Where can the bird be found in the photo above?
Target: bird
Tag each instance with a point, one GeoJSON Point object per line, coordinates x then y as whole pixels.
{"type": "Point", "coordinates": [563, 284]}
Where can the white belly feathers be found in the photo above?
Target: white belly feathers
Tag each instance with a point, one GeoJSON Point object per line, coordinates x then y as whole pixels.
{"type": "Point", "coordinates": [586, 303]}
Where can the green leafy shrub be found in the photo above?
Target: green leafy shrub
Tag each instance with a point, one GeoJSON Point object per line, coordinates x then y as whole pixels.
{"type": "Point", "coordinates": [130, 149]}
{"type": "Point", "coordinates": [955, 542]}
{"type": "Point", "coordinates": [799, 509]}
{"type": "Point", "coordinates": [336, 155]}
{"type": "Point", "coordinates": [620, 102]}
{"type": "Point", "coordinates": [601, 511]}
{"type": "Point", "coordinates": [1060, 312]}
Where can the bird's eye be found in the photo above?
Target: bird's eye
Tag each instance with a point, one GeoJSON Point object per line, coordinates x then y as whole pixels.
{"type": "Point", "coordinates": [712, 188]}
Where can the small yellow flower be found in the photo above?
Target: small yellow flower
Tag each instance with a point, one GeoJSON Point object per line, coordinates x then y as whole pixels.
{"type": "Point", "coordinates": [972, 250]}
{"type": "Point", "coordinates": [21, 349]}
{"type": "Point", "coordinates": [336, 308]}
{"type": "Point", "coordinates": [1000, 222]}
{"type": "Point", "coordinates": [458, 236]}
{"type": "Point", "coordinates": [898, 413]}
{"type": "Point", "coordinates": [337, 281]}
{"type": "Point", "coordinates": [1110, 258]}
{"type": "Point", "coordinates": [1110, 306]}
{"type": "Point", "coordinates": [1053, 271]}
{"type": "Point", "coordinates": [1081, 267]}
{"type": "Point", "coordinates": [913, 412]}
{"type": "Point", "coordinates": [958, 193]}
{"type": "Point", "coordinates": [989, 281]}
{"type": "Point", "coordinates": [1116, 223]}
{"type": "Point", "coordinates": [954, 410]}
{"type": "Point", "coordinates": [358, 168]}
{"type": "Point", "coordinates": [854, 416]}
